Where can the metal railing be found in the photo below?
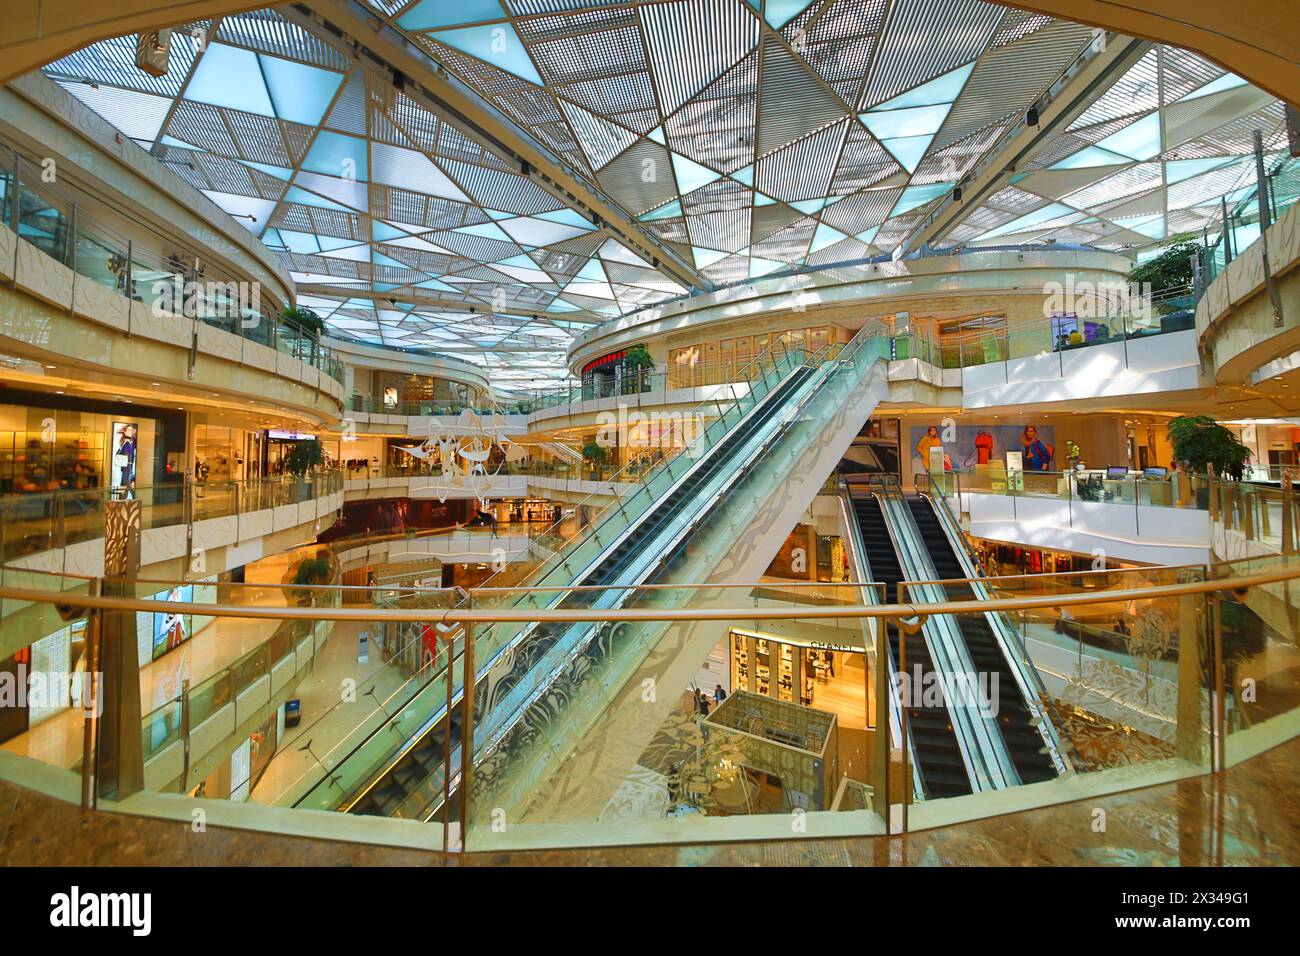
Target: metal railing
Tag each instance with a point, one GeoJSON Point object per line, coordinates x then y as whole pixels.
{"type": "Point", "coordinates": [1198, 735]}
{"type": "Point", "coordinates": [185, 285]}
{"type": "Point", "coordinates": [44, 521]}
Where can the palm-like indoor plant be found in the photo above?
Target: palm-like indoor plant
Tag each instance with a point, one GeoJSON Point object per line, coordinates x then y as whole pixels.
{"type": "Point", "coordinates": [1203, 446]}
{"type": "Point", "coordinates": [635, 362]}
{"type": "Point", "coordinates": [594, 454]}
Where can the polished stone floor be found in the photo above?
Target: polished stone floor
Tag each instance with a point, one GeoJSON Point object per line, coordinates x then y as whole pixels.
{"type": "Point", "coordinates": [1248, 816]}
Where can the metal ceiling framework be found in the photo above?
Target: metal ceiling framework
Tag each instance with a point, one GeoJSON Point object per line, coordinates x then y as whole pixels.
{"type": "Point", "coordinates": [487, 178]}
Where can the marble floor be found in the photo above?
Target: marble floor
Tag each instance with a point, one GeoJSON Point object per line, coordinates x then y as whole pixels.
{"type": "Point", "coordinates": [1248, 816]}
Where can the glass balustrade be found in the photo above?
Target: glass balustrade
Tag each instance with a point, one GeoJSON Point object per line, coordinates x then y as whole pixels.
{"type": "Point", "coordinates": [58, 221]}
{"type": "Point", "coordinates": [1148, 675]}
{"type": "Point", "coordinates": [42, 521]}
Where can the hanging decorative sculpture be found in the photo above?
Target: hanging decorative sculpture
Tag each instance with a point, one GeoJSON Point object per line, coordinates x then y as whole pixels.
{"type": "Point", "coordinates": [467, 454]}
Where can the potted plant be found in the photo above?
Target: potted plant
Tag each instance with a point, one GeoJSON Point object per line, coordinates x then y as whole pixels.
{"type": "Point", "coordinates": [1170, 271]}
{"type": "Point", "coordinates": [303, 458]}
{"type": "Point", "coordinates": [593, 453]}
{"type": "Point", "coordinates": [305, 319]}
{"type": "Point", "coordinates": [311, 571]}
{"type": "Point", "coordinates": [1203, 445]}
{"type": "Point", "coordinates": [310, 324]}
{"type": "Point", "coordinates": [635, 362]}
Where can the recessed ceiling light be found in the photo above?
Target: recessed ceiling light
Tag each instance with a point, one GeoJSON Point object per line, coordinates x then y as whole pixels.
{"type": "Point", "coordinates": [51, 366]}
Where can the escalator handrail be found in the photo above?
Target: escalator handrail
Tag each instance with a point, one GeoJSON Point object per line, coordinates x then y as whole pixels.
{"type": "Point", "coordinates": [805, 391]}
{"type": "Point", "coordinates": [441, 710]}
{"type": "Point", "coordinates": [862, 567]}
{"type": "Point", "coordinates": [452, 641]}
{"type": "Point", "coordinates": [987, 760]}
{"type": "Point", "coordinates": [663, 550]}
{"type": "Point", "coordinates": [757, 369]}
{"type": "Point", "coordinates": [1028, 680]}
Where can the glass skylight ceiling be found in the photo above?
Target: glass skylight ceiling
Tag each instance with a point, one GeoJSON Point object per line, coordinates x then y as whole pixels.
{"type": "Point", "coordinates": [751, 137]}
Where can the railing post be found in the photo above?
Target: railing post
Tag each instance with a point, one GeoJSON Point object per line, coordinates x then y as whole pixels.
{"type": "Point", "coordinates": [15, 200]}
{"type": "Point", "coordinates": [1227, 230]}
{"type": "Point", "coordinates": [466, 733]}
{"type": "Point", "coordinates": [91, 703]}
{"type": "Point", "coordinates": [56, 518]}
{"type": "Point", "coordinates": [447, 746]}
{"type": "Point", "coordinates": [1266, 220]}
{"type": "Point", "coordinates": [185, 732]}
{"type": "Point", "coordinates": [128, 280]}
{"type": "Point", "coordinates": [1220, 700]}
{"type": "Point", "coordinates": [1288, 529]}
{"type": "Point", "coordinates": [70, 255]}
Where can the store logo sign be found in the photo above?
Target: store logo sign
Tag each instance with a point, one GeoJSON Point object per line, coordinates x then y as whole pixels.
{"type": "Point", "coordinates": [76, 909]}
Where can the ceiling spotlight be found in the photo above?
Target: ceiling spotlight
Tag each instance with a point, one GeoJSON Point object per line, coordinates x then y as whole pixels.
{"type": "Point", "coordinates": [1031, 118]}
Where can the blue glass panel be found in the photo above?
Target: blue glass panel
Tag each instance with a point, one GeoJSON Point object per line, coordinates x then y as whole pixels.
{"type": "Point", "coordinates": [301, 93]}
{"type": "Point", "coordinates": [825, 236]}
{"type": "Point", "coordinates": [301, 242]}
{"type": "Point", "coordinates": [706, 257]}
{"type": "Point", "coordinates": [494, 43]}
{"type": "Point", "coordinates": [909, 151]}
{"type": "Point", "coordinates": [780, 12]}
{"type": "Point", "coordinates": [1038, 216]}
{"type": "Point", "coordinates": [669, 211]}
{"type": "Point", "coordinates": [915, 121]}
{"type": "Point", "coordinates": [1140, 140]}
{"type": "Point", "coordinates": [230, 77]}
{"type": "Point", "coordinates": [1226, 82]}
{"type": "Point", "coordinates": [691, 175]}
{"type": "Point", "coordinates": [380, 231]}
{"type": "Point", "coordinates": [432, 14]}
{"type": "Point", "coordinates": [1091, 157]}
{"type": "Point", "coordinates": [942, 89]}
{"type": "Point", "coordinates": [1178, 170]}
{"type": "Point", "coordinates": [915, 196]}
{"type": "Point", "coordinates": [334, 154]}
{"type": "Point", "coordinates": [569, 217]}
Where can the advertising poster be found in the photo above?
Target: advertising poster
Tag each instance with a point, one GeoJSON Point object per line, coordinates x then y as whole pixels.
{"type": "Point", "coordinates": [170, 629]}
{"type": "Point", "coordinates": [390, 396]}
{"type": "Point", "coordinates": [126, 435]}
{"type": "Point", "coordinates": [975, 445]}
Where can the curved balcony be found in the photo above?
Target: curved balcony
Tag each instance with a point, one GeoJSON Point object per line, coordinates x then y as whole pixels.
{"type": "Point", "coordinates": [1248, 315]}
{"type": "Point", "coordinates": [849, 294]}
{"type": "Point", "coordinates": [204, 528]}
{"type": "Point", "coordinates": [87, 290]}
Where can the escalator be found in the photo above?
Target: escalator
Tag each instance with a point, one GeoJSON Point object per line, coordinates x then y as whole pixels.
{"type": "Point", "coordinates": [942, 770]}
{"type": "Point", "coordinates": [1018, 725]}
{"type": "Point", "coordinates": [646, 551]}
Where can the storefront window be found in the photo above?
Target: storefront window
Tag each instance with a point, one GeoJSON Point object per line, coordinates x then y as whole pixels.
{"type": "Point", "coordinates": [46, 449]}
